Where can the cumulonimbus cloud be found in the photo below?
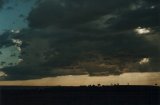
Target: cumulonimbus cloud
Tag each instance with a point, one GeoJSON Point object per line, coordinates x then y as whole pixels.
{"type": "Point", "coordinates": [73, 37]}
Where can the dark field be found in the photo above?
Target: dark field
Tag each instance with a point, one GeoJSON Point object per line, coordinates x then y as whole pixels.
{"type": "Point", "coordinates": [104, 95]}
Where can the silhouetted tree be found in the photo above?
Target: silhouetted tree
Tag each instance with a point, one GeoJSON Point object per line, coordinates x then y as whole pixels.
{"type": "Point", "coordinates": [99, 85]}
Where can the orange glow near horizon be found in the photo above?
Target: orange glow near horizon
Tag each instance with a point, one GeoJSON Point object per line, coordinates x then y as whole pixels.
{"type": "Point", "coordinates": [124, 79]}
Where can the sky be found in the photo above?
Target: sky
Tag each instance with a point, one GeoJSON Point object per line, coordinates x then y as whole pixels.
{"type": "Point", "coordinates": [13, 14]}
{"type": "Point", "coordinates": [77, 40]}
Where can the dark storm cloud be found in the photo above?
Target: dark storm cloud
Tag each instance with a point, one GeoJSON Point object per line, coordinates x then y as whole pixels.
{"type": "Point", "coordinates": [142, 17]}
{"type": "Point", "coordinates": [73, 13]}
{"type": "Point", "coordinates": [87, 15]}
{"type": "Point", "coordinates": [45, 55]}
{"type": "Point", "coordinates": [95, 37]}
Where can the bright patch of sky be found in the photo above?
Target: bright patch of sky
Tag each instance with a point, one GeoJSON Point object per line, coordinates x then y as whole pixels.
{"type": "Point", "coordinates": [13, 14]}
{"type": "Point", "coordinates": [144, 61]}
{"type": "Point", "coordinates": [141, 30]}
{"type": "Point", "coordinates": [151, 78]}
{"type": "Point", "coordinates": [9, 56]}
{"type": "Point", "coordinates": [2, 74]}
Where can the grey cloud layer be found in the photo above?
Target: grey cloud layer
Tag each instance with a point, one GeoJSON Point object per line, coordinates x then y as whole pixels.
{"type": "Point", "coordinates": [95, 37]}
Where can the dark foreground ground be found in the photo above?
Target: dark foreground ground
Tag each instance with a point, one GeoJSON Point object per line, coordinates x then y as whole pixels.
{"type": "Point", "coordinates": [107, 95]}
